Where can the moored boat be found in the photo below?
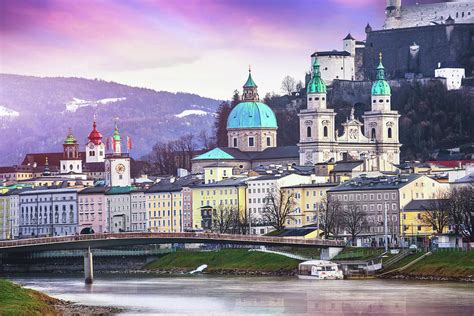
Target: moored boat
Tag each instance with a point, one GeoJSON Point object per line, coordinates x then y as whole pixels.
{"type": "Point", "coordinates": [319, 270]}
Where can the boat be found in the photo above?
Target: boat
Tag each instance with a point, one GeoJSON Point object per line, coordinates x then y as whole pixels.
{"type": "Point", "coordinates": [319, 270]}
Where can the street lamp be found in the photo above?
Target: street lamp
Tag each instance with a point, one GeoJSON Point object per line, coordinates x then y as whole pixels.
{"type": "Point", "coordinates": [385, 228]}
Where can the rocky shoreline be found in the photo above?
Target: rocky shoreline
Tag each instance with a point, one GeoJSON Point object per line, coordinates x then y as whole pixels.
{"type": "Point", "coordinates": [71, 308]}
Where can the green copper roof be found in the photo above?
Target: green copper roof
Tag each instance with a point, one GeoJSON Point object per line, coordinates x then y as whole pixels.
{"type": "Point", "coordinates": [380, 86]}
{"type": "Point", "coordinates": [316, 84]}
{"type": "Point", "coordinates": [70, 140]}
{"type": "Point", "coordinates": [250, 83]}
{"type": "Point", "coordinates": [252, 115]}
{"type": "Point", "coordinates": [116, 135]}
{"type": "Point", "coordinates": [214, 154]}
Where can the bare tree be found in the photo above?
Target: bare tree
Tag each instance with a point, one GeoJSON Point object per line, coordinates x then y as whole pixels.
{"type": "Point", "coordinates": [288, 85]}
{"type": "Point", "coordinates": [279, 206]}
{"type": "Point", "coordinates": [223, 219]}
{"type": "Point", "coordinates": [206, 141]}
{"type": "Point", "coordinates": [330, 217]}
{"type": "Point", "coordinates": [461, 201]}
{"type": "Point", "coordinates": [436, 212]}
{"type": "Point", "coordinates": [354, 220]}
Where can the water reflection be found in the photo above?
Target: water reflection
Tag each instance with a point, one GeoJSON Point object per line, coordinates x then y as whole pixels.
{"type": "Point", "coordinates": [206, 295]}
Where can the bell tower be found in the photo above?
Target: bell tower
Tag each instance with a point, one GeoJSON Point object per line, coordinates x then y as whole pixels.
{"type": "Point", "coordinates": [95, 148]}
{"type": "Point", "coordinates": [117, 163]}
{"type": "Point", "coordinates": [71, 162]}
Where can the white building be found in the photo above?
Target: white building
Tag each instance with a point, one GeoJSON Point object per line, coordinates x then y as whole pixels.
{"type": "Point", "coordinates": [119, 205]}
{"type": "Point", "coordinates": [117, 164]}
{"type": "Point", "coordinates": [139, 218]}
{"type": "Point", "coordinates": [400, 16]}
{"type": "Point", "coordinates": [375, 140]}
{"type": "Point", "coordinates": [95, 148]}
{"type": "Point", "coordinates": [51, 212]}
{"type": "Point", "coordinates": [258, 190]}
{"type": "Point", "coordinates": [454, 76]}
{"type": "Point", "coordinates": [14, 200]}
{"type": "Point", "coordinates": [338, 65]}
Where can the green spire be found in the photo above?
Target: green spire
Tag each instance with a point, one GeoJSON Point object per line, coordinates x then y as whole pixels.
{"type": "Point", "coordinates": [380, 86]}
{"type": "Point", "coordinates": [250, 83]}
{"type": "Point", "coordinates": [116, 135]}
{"type": "Point", "coordinates": [316, 84]}
{"type": "Point", "coordinates": [70, 140]}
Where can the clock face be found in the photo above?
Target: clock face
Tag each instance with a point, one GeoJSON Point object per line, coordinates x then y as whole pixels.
{"type": "Point", "coordinates": [120, 168]}
{"type": "Point", "coordinates": [91, 146]}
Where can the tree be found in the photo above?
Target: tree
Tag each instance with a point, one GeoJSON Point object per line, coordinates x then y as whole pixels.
{"type": "Point", "coordinates": [436, 212]}
{"type": "Point", "coordinates": [288, 85]}
{"type": "Point", "coordinates": [228, 220]}
{"type": "Point", "coordinates": [331, 218]}
{"type": "Point", "coordinates": [206, 141]}
{"type": "Point", "coordinates": [354, 220]}
{"type": "Point", "coordinates": [461, 201]}
{"type": "Point", "coordinates": [220, 124]}
{"type": "Point", "coordinates": [279, 206]}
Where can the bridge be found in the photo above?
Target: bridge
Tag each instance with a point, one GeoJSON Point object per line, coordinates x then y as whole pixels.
{"type": "Point", "coordinates": [129, 239]}
{"type": "Point", "coordinates": [107, 240]}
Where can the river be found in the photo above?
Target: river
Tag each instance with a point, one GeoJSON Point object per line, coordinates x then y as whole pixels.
{"type": "Point", "coordinates": [213, 295]}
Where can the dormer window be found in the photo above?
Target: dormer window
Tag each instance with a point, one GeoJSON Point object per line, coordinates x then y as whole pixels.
{"type": "Point", "coordinates": [251, 142]}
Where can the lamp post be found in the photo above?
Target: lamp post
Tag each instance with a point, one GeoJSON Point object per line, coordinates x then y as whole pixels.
{"type": "Point", "coordinates": [385, 229]}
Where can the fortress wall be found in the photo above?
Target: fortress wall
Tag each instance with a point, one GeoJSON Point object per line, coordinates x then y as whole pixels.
{"type": "Point", "coordinates": [419, 15]}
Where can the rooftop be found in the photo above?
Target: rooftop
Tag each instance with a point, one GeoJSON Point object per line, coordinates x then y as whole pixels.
{"type": "Point", "coordinates": [376, 183]}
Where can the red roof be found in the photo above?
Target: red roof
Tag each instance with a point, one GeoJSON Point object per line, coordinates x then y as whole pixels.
{"type": "Point", "coordinates": [451, 163]}
{"type": "Point", "coordinates": [95, 136]}
{"type": "Point", "coordinates": [53, 158]}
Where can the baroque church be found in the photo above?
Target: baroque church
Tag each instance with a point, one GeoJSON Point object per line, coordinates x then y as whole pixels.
{"type": "Point", "coordinates": [375, 140]}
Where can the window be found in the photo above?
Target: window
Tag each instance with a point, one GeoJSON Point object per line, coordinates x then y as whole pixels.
{"type": "Point", "coordinates": [308, 131]}
{"type": "Point", "coordinates": [269, 141]}
{"type": "Point", "coordinates": [325, 131]}
{"type": "Point", "coordinates": [389, 132]}
{"type": "Point", "coordinates": [372, 134]}
{"type": "Point", "coordinates": [235, 142]}
{"type": "Point", "coordinates": [251, 142]}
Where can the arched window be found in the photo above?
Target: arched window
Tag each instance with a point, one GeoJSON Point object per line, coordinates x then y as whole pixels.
{"type": "Point", "coordinates": [372, 134]}
{"type": "Point", "coordinates": [389, 132]}
{"type": "Point", "coordinates": [308, 131]}
{"type": "Point", "coordinates": [325, 131]}
{"type": "Point", "coordinates": [63, 217]}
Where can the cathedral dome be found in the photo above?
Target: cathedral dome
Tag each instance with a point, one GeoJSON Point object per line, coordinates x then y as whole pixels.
{"type": "Point", "coordinates": [251, 115]}
{"type": "Point", "coordinates": [316, 84]}
{"type": "Point", "coordinates": [380, 85]}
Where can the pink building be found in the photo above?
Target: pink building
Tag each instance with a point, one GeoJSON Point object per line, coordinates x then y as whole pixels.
{"type": "Point", "coordinates": [92, 210]}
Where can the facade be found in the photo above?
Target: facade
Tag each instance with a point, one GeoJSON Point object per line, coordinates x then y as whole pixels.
{"type": "Point", "coordinates": [453, 75]}
{"type": "Point", "coordinates": [375, 140]}
{"type": "Point", "coordinates": [95, 148]}
{"type": "Point", "coordinates": [164, 207]}
{"type": "Point", "coordinates": [92, 210]}
{"type": "Point", "coordinates": [15, 173]}
{"type": "Point", "coordinates": [391, 193]}
{"type": "Point", "coordinates": [119, 207]}
{"type": "Point", "coordinates": [258, 190]}
{"type": "Point", "coordinates": [227, 194]}
{"type": "Point", "coordinates": [139, 220]}
{"type": "Point", "coordinates": [117, 164]}
{"type": "Point", "coordinates": [5, 224]}
{"type": "Point", "coordinates": [399, 16]}
{"type": "Point", "coordinates": [308, 199]}
{"type": "Point", "coordinates": [187, 196]}
{"type": "Point", "coordinates": [51, 212]}
{"type": "Point", "coordinates": [251, 125]}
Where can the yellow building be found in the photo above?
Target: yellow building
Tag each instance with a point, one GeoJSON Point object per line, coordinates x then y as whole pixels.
{"type": "Point", "coordinates": [164, 207]}
{"type": "Point", "coordinates": [226, 194]}
{"type": "Point", "coordinates": [412, 224]}
{"type": "Point", "coordinates": [308, 199]}
{"type": "Point", "coordinates": [217, 172]}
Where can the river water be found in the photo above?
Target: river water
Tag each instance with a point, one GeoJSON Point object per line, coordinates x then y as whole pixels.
{"type": "Point", "coordinates": [212, 295]}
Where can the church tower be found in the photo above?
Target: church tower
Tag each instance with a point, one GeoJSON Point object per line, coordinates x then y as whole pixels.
{"type": "Point", "coordinates": [317, 132]}
{"type": "Point", "coordinates": [381, 122]}
{"type": "Point", "coordinates": [71, 161]}
{"type": "Point", "coordinates": [95, 148]}
{"type": "Point", "coordinates": [251, 125]}
{"type": "Point", "coordinates": [117, 164]}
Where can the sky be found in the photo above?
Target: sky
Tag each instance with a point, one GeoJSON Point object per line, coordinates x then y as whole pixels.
{"type": "Point", "coordinates": [198, 46]}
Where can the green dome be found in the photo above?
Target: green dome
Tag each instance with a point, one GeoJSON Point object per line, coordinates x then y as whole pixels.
{"type": "Point", "coordinates": [116, 135]}
{"type": "Point", "coordinates": [380, 86]}
{"type": "Point", "coordinates": [316, 84]}
{"type": "Point", "coordinates": [70, 140]}
{"type": "Point", "coordinates": [251, 115]}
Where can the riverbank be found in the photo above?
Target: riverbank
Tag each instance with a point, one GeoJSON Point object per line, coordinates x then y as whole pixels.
{"type": "Point", "coordinates": [225, 262]}
{"type": "Point", "coordinates": [439, 266]}
{"type": "Point", "coordinates": [17, 300]}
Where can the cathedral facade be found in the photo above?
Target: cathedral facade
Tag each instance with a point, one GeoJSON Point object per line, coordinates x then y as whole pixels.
{"type": "Point", "coordinates": [374, 141]}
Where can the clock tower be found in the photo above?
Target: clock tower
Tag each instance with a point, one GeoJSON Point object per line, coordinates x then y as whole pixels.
{"type": "Point", "coordinates": [95, 148]}
{"type": "Point", "coordinates": [117, 164]}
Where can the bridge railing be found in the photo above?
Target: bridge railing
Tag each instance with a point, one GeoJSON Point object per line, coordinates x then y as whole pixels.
{"type": "Point", "coordinates": [184, 235]}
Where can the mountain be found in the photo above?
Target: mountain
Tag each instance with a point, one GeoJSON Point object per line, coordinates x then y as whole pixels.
{"type": "Point", "coordinates": [35, 114]}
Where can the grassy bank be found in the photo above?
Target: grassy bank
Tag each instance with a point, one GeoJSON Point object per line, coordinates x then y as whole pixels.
{"type": "Point", "coordinates": [16, 300]}
{"type": "Point", "coordinates": [226, 259]}
{"type": "Point", "coordinates": [444, 264]}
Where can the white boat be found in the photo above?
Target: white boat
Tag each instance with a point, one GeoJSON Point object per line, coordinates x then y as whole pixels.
{"type": "Point", "coordinates": [319, 270]}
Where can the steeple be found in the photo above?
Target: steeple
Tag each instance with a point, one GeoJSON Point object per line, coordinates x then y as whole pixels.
{"type": "Point", "coordinates": [46, 171]}
{"type": "Point", "coordinates": [380, 85]}
{"type": "Point", "coordinates": [316, 84]}
{"type": "Point", "coordinates": [250, 89]}
{"type": "Point", "coordinates": [95, 136]}
{"type": "Point", "coordinates": [116, 139]}
{"type": "Point", "coordinates": [70, 139]}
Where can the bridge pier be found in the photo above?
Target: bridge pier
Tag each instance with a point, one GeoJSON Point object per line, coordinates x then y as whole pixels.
{"type": "Point", "coordinates": [88, 267]}
{"type": "Point", "coordinates": [329, 253]}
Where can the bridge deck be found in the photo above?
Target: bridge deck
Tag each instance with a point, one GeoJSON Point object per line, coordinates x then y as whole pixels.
{"type": "Point", "coordinates": [126, 239]}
